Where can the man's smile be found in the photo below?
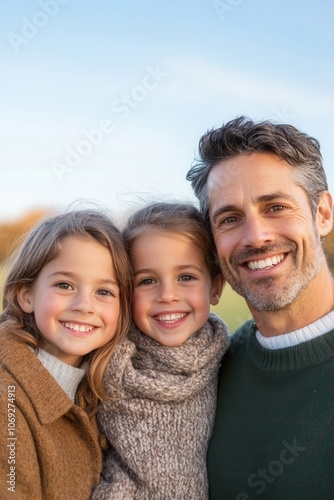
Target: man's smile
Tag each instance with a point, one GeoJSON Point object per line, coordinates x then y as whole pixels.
{"type": "Point", "coordinates": [265, 263]}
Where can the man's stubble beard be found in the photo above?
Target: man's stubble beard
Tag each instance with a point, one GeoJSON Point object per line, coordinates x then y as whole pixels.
{"type": "Point", "coordinates": [267, 294]}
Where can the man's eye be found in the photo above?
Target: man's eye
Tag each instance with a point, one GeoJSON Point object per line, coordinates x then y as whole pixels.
{"type": "Point", "coordinates": [227, 220]}
{"type": "Point", "coordinates": [277, 208]}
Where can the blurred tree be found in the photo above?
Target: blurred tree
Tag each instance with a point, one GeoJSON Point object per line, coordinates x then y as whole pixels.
{"type": "Point", "coordinates": [232, 308]}
{"type": "Point", "coordinates": [10, 233]}
{"type": "Point", "coordinates": [329, 248]}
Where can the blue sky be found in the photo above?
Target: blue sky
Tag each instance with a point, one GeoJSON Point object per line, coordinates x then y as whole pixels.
{"type": "Point", "coordinates": [106, 100]}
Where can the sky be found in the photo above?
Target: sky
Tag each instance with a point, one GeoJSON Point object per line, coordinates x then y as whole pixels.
{"type": "Point", "coordinates": [105, 101]}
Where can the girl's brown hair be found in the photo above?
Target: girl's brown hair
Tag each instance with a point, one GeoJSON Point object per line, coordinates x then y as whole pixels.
{"type": "Point", "coordinates": [42, 245]}
{"type": "Point", "coordinates": [182, 218]}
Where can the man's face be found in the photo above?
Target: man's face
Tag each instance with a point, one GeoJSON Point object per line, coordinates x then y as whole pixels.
{"type": "Point", "coordinates": [267, 240]}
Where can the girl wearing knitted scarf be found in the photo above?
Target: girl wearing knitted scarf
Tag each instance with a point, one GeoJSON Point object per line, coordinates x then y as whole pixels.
{"type": "Point", "coordinates": [161, 380]}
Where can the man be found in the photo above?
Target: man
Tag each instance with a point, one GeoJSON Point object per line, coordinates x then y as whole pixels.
{"type": "Point", "coordinates": [264, 193]}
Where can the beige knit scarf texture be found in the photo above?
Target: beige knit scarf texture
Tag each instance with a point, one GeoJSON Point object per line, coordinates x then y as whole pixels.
{"type": "Point", "coordinates": [160, 417]}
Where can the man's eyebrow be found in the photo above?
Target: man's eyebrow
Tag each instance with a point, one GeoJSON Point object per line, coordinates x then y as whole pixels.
{"type": "Point", "coordinates": [275, 196]}
{"type": "Point", "coordinates": [264, 198]}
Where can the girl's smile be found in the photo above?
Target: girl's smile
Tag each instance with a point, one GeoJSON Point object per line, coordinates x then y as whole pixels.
{"type": "Point", "coordinates": [75, 299]}
{"type": "Point", "coordinates": [172, 286]}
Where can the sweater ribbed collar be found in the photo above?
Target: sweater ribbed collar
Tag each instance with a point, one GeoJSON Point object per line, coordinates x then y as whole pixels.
{"type": "Point", "coordinates": [306, 354]}
{"type": "Point", "coordinates": [308, 332]}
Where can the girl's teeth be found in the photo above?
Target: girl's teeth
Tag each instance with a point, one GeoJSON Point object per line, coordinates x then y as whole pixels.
{"type": "Point", "coordinates": [78, 328]}
{"type": "Point", "coordinates": [171, 317]}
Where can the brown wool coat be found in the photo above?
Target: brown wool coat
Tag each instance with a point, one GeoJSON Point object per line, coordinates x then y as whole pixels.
{"type": "Point", "coordinates": [56, 452]}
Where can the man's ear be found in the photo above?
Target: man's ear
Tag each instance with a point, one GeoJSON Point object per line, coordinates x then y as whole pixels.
{"type": "Point", "coordinates": [216, 290]}
{"type": "Point", "coordinates": [24, 298]}
{"type": "Point", "coordinates": [325, 213]}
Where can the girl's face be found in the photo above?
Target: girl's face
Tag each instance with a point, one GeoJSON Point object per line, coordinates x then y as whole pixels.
{"type": "Point", "coordinates": [75, 300]}
{"type": "Point", "coordinates": [172, 286]}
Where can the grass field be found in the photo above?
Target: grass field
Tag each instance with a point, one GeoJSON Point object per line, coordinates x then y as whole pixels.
{"type": "Point", "coordinates": [232, 308]}
{"type": "Point", "coordinates": [2, 279]}
{"type": "Point", "coordinates": [2, 275]}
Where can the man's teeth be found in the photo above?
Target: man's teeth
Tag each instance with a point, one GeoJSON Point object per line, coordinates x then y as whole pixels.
{"type": "Point", "coordinates": [78, 328]}
{"type": "Point", "coordinates": [265, 264]}
{"type": "Point", "coordinates": [170, 318]}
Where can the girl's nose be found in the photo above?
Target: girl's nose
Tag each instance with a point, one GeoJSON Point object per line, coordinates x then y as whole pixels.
{"type": "Point", "coordinates": [168, 292]}
{"type": "Point", "coordinates": [83, 302]}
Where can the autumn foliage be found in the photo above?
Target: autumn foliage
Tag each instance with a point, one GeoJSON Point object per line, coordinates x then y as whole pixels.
{"type": "Point", "coordinates": [11, 234]}
{"type": "Point", "coordinates": [329, 248]}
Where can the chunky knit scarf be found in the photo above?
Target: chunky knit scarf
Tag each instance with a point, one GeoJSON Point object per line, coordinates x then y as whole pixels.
{"type": "Point", "coordinates": [160, 416]}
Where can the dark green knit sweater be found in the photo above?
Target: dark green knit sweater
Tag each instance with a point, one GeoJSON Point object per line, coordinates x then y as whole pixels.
{"type": "Point", "coordinates": [274, 431]}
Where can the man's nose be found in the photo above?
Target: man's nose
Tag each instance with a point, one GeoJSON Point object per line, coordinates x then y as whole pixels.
{"type": "Point", "coordinates": [256, 232]}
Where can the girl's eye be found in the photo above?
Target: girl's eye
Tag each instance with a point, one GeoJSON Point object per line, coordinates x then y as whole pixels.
{"type": "Point", "coordinates": [186, 277]}
{"type": "Point", "coordinates": [146, 281]}
{"type": "Point", "coordinates": [64, 286]}
{"type": "Point", "coordinates": [105, 293]}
